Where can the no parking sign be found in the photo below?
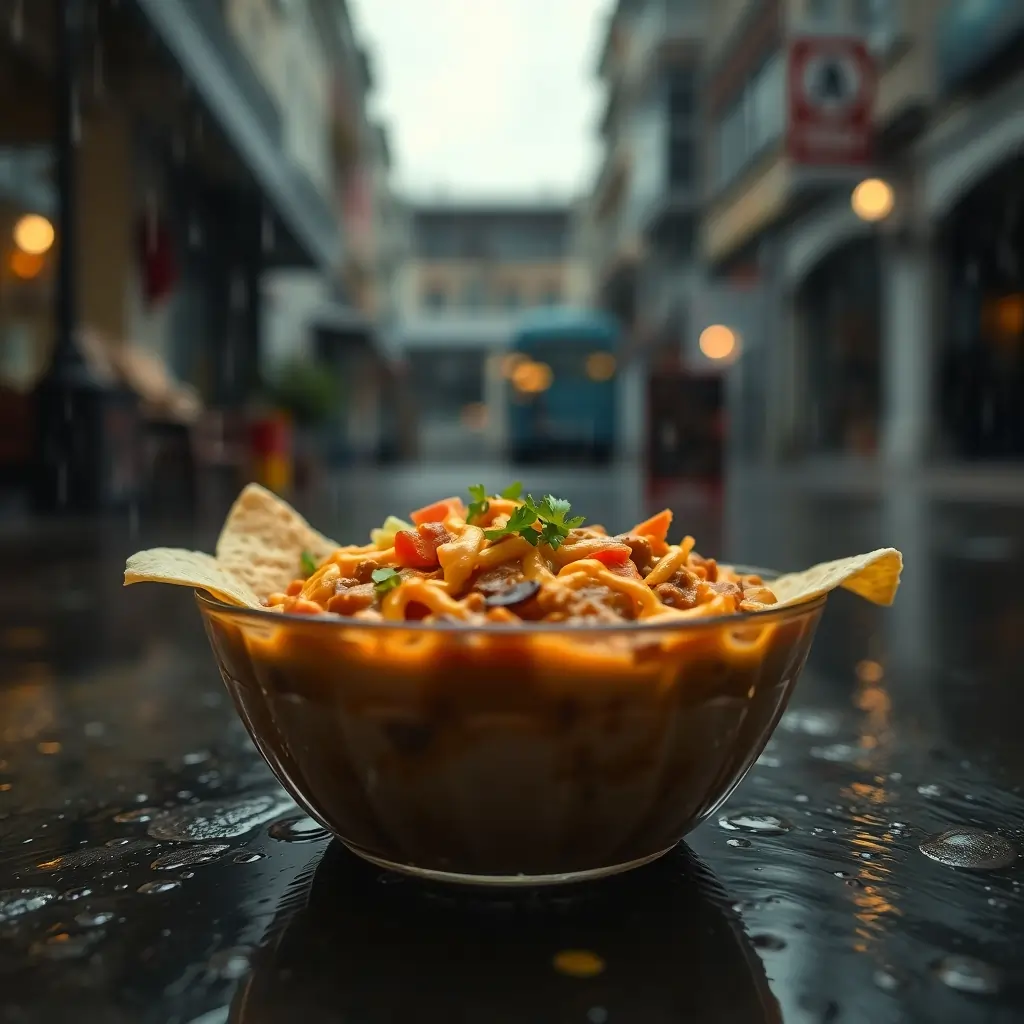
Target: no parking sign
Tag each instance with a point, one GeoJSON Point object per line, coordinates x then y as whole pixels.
{"type": "Point", "coordinates": [831, 99]}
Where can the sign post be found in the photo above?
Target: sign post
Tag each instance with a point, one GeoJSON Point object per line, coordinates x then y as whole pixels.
{"type": "Point", "coordinates": [831, 92]}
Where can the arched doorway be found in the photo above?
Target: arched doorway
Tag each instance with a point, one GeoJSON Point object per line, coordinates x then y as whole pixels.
{"type": "Point", "coordinates": [981, 378]}
{"type": "Point", "coordinates": [839, 309]}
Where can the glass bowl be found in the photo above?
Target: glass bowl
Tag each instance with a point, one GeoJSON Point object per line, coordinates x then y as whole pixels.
{"type": "Point", "coordinates": [509, 755]}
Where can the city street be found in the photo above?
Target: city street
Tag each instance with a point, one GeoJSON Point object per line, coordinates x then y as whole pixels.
{"type": "Point", "coordinates": [903, 726]}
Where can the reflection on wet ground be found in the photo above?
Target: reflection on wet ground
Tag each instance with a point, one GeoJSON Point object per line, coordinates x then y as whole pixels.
{"type": "Point", "coordinates": [868, 869]}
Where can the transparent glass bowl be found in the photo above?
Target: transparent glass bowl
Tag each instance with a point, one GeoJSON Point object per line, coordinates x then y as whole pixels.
{"type": "Point", "coordinates": [526, 755]}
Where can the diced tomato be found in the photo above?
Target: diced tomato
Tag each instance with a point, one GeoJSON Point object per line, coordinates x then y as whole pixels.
{"type": "Point", "coordinates": [439, 511]}
{"type": "Point", "coordinates": [419, 550]}
{"type": "Point", "coordinates": [617, 554]}
{"type": "Point", "coordinates": [656, 527]}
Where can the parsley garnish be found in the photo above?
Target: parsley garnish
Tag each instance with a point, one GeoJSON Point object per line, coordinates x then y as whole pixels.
{"type": "Point", "coordinates": [385, 580]}
{"type": "Point", "coordinates": [308, 563]}
{"type": "Point", "coordinates": [480, 504]}
{"type": "Point", "coordinates": [553, 515]}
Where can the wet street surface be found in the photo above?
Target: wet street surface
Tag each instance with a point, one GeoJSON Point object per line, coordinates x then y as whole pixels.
{"type": "Point", "coordinates": [867, 870]}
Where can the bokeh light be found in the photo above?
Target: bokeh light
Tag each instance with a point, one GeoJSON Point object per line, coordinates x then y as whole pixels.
{"type": "Point", "coordinates": [600, 366]}
{"type": "Point", "coordinates": [873, 199]}
{"type": "Point", "coordinates": [26, 265]}
{"type": "Point", "coordinates": [510, 362]}
{"type": "Point", "coordinates": [532, 378]}
{"type": "Point", "coordinates": [33, 234]}
{"type": "Point", "coordinates": [718, 341]}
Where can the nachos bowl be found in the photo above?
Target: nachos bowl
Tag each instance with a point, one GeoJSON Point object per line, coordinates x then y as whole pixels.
{"type": "Point", "coordinates": [485, 751]}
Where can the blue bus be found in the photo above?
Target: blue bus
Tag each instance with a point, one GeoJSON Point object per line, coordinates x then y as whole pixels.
{"type": "Point", "coordinates": [562, 392]}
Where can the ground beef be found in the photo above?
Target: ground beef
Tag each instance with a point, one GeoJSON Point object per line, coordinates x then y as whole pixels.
{"type": "Point", "coordinates": [642, 557]}
{"type": "Point", "coordinates": [683, 590]}
{"type": "Point", "coordinates": [724, 587]}
{"type": "Point", "coordinates": [348, 600]}
{"type": "Point", "coordinates": [595, 603]}
{"type": "Point", "coordinates": [706, 568]}
{"type": "Point", "coordinates": [364, 570]}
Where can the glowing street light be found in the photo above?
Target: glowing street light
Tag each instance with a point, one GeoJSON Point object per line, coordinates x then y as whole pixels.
{"type": "Point", "coordinates": [718, 342]}
{"type": "Point", "coordinates": [532, 378]}
{"type": "Point", "coordinates": [34, 234]}
{"type": "Point", "coordinates": [873, 199]}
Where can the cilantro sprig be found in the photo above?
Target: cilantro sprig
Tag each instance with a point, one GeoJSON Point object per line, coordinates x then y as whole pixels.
{"type": "Point", "coordinates": [550, 512]}
{"type": "Point", "coordinates": [308, 563]}
{"type": "Point", "coordinates": [385, 580]}
{"type": "Point", "coordinates": [480, 503]}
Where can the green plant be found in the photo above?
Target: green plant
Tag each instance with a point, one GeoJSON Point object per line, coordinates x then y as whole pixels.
{"type": "Point", "coordinates": [309, 390]}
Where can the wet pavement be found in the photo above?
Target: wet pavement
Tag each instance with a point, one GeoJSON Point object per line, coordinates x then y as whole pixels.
{"type": "Point", "coordinates": [865, 871]}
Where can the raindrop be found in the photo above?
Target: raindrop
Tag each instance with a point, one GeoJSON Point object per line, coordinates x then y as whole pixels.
{"type": "Point", "coordinates": [247, 857]}
{"type": "Point", "coordinates": [966, 974]}
{"type": "Point", "coordinates": [122, 841]}
{"type": "Point", "coordinates": [970, 848]}
{"type": "Point", "coordinates": [190, 856]}
{"type": "Point", "coordinates": [811, 723]}
{"type": "Point", "coordinates": [889, 979]}
{"type": "Point", "coordinates": [841, 874]}
{"type": "Point", "coordinates": [742, 844]}
{"type": "Point", "coordinates": [838, 752]}
{"type": "Point", "coordinates": [751, 821]}
{"type": "Point", "coordinates": [302, 829]}
{"type": "Point", "coordinates": [930, 789]}
{"type": "Point", "coordinates": [995, 901]}
{"type": "Point", "coordinates": [768, 943]}
{"type": "Point", "coordinates": [185, 875]}
{"type": "Point", "coordinates": [769, 761]}
{"type": "Point", "coordinates": [141, 814]}
{"type": "Point", "coordinates": [196, 757]}
{"type": "Point", "coordinates": [17, 902]}
{"type": "Point", "coordinates": [219, 819]}
{"type": "Point", "coordinates": [802, 798]}
{"type": "Point", "coordinates": [230, 964]}
{"type": "Point", "coordinates": [155, 888]}
{"type": "Point", "coordinates": [94, 919]}
{"type": "Point", "coordinates": [76, 894]}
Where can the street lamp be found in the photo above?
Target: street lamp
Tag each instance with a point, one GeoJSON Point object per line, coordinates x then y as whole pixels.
{"type": "Point", "coordinates": [34, 234]}
{"type": "Point", "coordinates": [718, 342]}
{"type": "Point", "coordinates": [873, 200]}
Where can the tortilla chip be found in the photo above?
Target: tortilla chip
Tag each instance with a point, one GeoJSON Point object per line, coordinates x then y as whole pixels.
{"type": "Point", "coordinates": [874, 576]}
{"type": "Point", "coordinates": [263, 540]}
{"type": "Point", "coordinates": [189, 569]}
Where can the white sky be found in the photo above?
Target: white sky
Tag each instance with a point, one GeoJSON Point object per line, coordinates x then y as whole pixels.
{"type": "Point", "coordinates": [487, 97]}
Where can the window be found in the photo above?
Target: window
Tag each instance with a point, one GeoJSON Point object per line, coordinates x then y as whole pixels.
{"type": "Point", "coordinates": [682, 96]}
{"type": "Point", "coordinates": [434, 298]}
{"type": "Point", "coordinates": [680, 163]}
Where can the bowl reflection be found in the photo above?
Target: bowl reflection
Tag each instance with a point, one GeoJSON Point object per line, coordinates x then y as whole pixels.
{"type": "Point", "coordinates": [510, 756]}
{"type": "Point", "coordinates": [652, 946]}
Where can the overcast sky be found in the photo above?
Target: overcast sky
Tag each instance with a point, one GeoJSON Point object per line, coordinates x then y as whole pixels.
{"type": "Point", "coordinates": [487, 97]}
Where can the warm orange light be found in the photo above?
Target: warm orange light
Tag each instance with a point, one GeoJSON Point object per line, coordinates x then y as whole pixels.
{"type": "Point", "coordinates": [26, 265]}
{"type": "Point", "coordinates": [1009, 315]}
{"type": "Point", "coordinates": [510, 361]}
{"type": "Point", "coordinates": [33, 234]}
{"type": "Point", "coordinates": [873, 199]}
{"type": "Point", "coordinates": [718, 341]}
{"type": "Point", "coordinates": [475, 416]}
{"type": "Point", "coordinates": [600, 366]}
{"type": "Point", "coordinates": [532, 378]}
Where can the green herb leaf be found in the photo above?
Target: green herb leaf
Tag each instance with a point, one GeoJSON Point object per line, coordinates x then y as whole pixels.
{"type": "Point", "coordinates": [308, 563]}
{"type": "Point", "coordinates": [553, 514]}
{"type": "Point", "coordinates": [514, 491]}
{"type": "Point", "coordinates": [519, 522]}
{"type": "Point", "coordinates": [479, 504]}
{"type": "Point", "coordinates": [385, 580]}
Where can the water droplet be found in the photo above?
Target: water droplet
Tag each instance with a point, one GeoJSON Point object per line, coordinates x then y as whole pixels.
{"type": "Point", "coordinates": [219, 819]}
{"type": "Point", "coordinates": [247, 857]}
{"type": "Point", "coordinates": [185, 875]}
{"type": "Point", "coordinates": [854, 883]}
{"type": "Point", "coordinates": [151, 888]}
{"type": "Point", "coordinates": [301, 829]}
{"type": "Point", "coordinates": [752, 821]}
{"type": "Point", "coordinates": [190, 856]}
{"type": "Point", "coordinates": [931, 789]}
{"type": "Point", "coordinates": [966, 974]}
{"type": "Point", "coordinates": [838, 752]}
{"type": "Point", "coordinates": [230, 964]}
{"type": "Point", "coordinates": [841, 874]}
{"type": "Point", "coordinates": [76, 894]}
{"type": "Point", "coordinates": [970, 848]}
{"type": "Point", "coordinates": [995, 901]}
{"type": "Point", "coordinates": [117, 842]}
{"type": "Point", "coordinates": [889, 979]}
{"type": "Point", "coordinates": [140, 814]}
{"type": "Point", "coordinates": [865, 856]}
{"type": "Point", "coordinates": [120, 887]}
{"type": "Point", "coordinates": [17, 902]}
{"type": "Point", "coordinates": [802, 798]}
{"type": "Point", "coordinates": [196, 757]}
{"type": "Point", "coordinates": [742, 844]}
{"type": "Point", "coordinates": [94, 919]}
{"type": "Point", "coordinates": [811, 723]}
{"type": "Point", "coordinates": [769, 761]}
{"type": "Point", "coordinates": [94, 856]}
{"type": "Point", "coordinates": [769, 943]}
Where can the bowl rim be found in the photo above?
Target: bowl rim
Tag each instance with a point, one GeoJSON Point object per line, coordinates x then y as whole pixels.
{"type": "Point", "coordinates": [207, 601]}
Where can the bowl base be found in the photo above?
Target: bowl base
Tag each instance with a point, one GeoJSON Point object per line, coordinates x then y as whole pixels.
{"type": "Point", "coordinates": [507, 881]}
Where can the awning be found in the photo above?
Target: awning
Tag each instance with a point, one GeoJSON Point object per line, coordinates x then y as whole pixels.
{"type": "Point", "coordinates": [181, 24]}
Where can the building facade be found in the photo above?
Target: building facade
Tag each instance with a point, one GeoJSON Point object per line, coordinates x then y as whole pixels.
{"type": "Point", "coordinates": [473, 270]}
{"type": "Point", "coordinates": [891, 334]}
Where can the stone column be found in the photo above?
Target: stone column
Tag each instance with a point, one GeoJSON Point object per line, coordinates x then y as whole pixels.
{"type": "Point", "coordinates": [908, 349]}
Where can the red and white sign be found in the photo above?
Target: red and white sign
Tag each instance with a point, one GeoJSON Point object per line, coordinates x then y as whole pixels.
{"type": "Point", "coordinates": [831, 100]}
